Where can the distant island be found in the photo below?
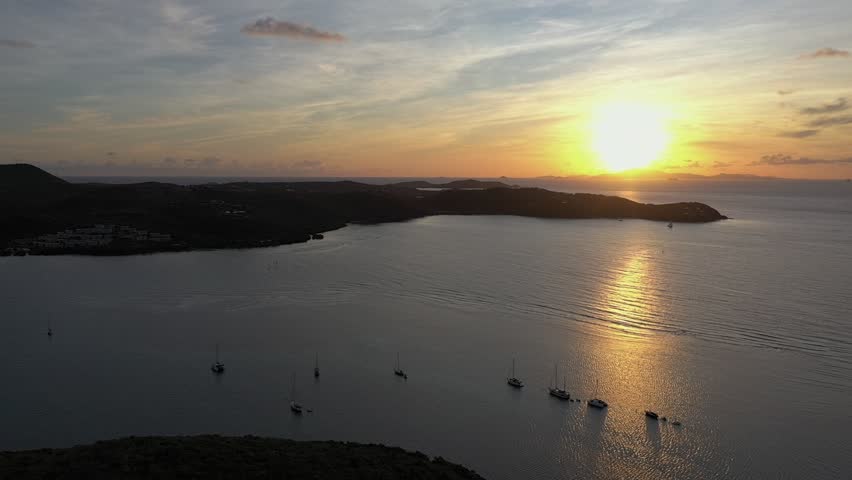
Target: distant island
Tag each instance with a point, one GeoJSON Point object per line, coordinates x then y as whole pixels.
{"type": "Point", "coordinates": [213, 456]}
{"type": "Point", "coordinates": [43, 214]}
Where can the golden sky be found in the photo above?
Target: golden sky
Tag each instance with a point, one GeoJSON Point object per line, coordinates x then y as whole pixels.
{"type": "Point", "coordinates": [518, 88]}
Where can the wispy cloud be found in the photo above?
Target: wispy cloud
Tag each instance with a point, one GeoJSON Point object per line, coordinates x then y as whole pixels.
{"type": "Point", "coordinates": [720, 164]}
{"type": "Point", "coordinates": [208, 162]}
{"type": "Point", "coordinates": [782, 159]}
{"type": "Point", "coordinates": [798, 134]}
{"type": "Point", "coordinates": [688, 164]}
{"type": "Point", "coordinates": [831, 121]}
{"type": "Point", "coordinates": [785, 92]}
{"type": "Point", "coordinates": [5, 42]}
{"type": "Point", "coordinates": [279, 28]}
{"type": "Point", "coordinates": [826, 53]}
{"type": "Point", "coordinates": [308, 166]}
{"type": "Point", "coordinates": [837, 106]}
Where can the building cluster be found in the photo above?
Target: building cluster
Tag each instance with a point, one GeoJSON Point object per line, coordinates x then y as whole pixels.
{"type": "Point", "coordinates": [97, 236]}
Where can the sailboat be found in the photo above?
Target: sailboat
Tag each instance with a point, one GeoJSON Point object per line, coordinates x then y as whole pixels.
{"type": "Point", "coordinates": [316, 367]}
{"type": "Point", "coordinates": [218, 367]}
{"type": "Point", "coordinates": [295, 406]}
{"type": "Point", "coordinates": [597, 402]}
{"type": "Point", "coordinates": [560, 393]}
{"type": "Point", "coordinates": [398, 370]}
{"type": "Point", "coordinates": [513, 381]}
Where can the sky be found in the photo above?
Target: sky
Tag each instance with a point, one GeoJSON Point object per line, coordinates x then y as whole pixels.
{"type": "Point", "coordinates": [480, 88]}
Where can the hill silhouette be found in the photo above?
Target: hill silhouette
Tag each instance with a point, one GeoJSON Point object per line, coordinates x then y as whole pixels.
{"type": "Point", "coordinates": [251, 214]}
{"type": "Point", "coordinates": [23, 176]}
{"type": "Point", "coordinates": [212, 456]}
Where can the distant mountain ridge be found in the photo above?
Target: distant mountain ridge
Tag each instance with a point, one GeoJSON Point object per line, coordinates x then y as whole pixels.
{"type": "Point", "coordinates": [457, 184]}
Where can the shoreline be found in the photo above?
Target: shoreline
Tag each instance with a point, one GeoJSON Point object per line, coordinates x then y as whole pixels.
{"type": "Point", "coordinates": [247, 245]}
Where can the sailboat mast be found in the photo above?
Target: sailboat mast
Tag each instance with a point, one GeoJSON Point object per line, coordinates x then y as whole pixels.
{"type": "Point", "coordinates": [513, 368]}
{"type": "Point", "coordinates": [293, 389]}
{"type": "Point", "coordinates": [217, 353]}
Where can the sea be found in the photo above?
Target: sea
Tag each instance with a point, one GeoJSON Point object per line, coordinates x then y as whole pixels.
{"type": "Point", "coordinates": [740, 330]}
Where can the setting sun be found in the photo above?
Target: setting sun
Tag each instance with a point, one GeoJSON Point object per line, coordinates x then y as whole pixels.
{"type": "Point", "coordinates": [628, 136]}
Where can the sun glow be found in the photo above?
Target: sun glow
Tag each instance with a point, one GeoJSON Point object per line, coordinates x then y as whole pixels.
{"type": "Point", "coordinates": [627, 136]}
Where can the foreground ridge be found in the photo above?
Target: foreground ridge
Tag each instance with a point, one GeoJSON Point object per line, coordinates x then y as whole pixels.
{"type": "Point", "coordinates": [213, 456]}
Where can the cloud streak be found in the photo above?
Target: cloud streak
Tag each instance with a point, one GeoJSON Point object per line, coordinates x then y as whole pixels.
{"type": "Point", "coordinates": [831, 121]}
{"type": "Point", "coordinates": [798, 134]}
{"type": "Point", "coordinates": [779, 159]}
{"type": "Point", "coordinates": [839, 105]}
{"type": "Point", "coordinates": [279, 28]}
{"type": "Point", "coordinates": [826, 53]}
{"type": "Point", "coordinates": [5, 42]}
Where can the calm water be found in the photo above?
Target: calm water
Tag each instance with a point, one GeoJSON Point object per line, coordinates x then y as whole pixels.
{"type": "Point", "coordinates": [740, 329]}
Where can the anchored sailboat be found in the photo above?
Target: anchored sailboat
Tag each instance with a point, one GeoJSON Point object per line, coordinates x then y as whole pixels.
{"type": "Point", "coordinates": [513, 381]}
{"type": "Point", "coordinates": [316, 367]}
{"type": "Point", "coordinates": [560, 393]}
{"type": "Point", "coordinates": [218, 367]}
{"type": "Point", "coordinates": [597, 402]}
{"type": "Point", "coordinates": [398, 371]}
{"type": "Point", "coordinates": [295, 406]}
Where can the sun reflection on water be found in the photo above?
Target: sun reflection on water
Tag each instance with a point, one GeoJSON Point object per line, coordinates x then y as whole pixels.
{"type": "Point", "coordinates": [629, 302]}
{"type": "Point", "coordinates": [632, 367]}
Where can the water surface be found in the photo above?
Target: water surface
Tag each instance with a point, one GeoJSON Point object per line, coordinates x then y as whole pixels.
{"type": "Point", "coordinates": [739, 329]}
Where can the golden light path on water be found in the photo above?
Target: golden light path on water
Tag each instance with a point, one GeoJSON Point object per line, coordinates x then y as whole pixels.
{"type": "Point", "coordinates": [636, 371]}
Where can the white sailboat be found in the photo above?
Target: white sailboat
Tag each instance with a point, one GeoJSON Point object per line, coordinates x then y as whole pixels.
{"type": "Point", "coordinates": [295, 406]}
{"type": "Point", "coordinates": [316, 366]}
{"type": "Point", "coordinates": [560, 393]}
{"type": "Point", "coordinates": [597, 402]}
{"type": "Point", "coordinates": [513, 381]}
{"type": "Point", "coordinates": [398, 371]}
{"type": "Point", "coordinates": [218, 367]}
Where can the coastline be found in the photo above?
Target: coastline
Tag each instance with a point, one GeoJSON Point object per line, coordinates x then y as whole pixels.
{"type": "Point", "coordinates": [48, 216]}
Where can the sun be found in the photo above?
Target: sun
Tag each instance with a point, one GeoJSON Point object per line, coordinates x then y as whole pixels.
{"type": "Point", "coordinates": [627, 136]}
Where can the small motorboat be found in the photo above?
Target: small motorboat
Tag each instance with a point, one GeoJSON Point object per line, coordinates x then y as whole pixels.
{"type": "Point", "coordinates": [651, 414]}
{"type": "Point", "coordinates": [671, 225]}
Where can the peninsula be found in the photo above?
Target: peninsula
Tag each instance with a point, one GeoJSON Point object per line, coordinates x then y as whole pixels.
{"type": "Point", "coordinates": [43, 214]}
